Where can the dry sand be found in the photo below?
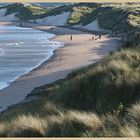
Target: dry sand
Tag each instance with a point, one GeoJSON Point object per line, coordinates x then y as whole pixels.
{"type": "Point", "coordinates": [51, 20]}
{"type": "Point", "coordinates": [79, 52]}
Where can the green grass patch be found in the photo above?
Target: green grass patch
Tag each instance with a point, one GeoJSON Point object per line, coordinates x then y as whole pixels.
{"type": "Point", "coordinates": [37, 10]}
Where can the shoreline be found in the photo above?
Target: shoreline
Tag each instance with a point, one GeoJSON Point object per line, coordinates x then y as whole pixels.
{"type": "Point", "coordinates": [46, 60]}
{"type": "Point", "coordinates": [53, 74]}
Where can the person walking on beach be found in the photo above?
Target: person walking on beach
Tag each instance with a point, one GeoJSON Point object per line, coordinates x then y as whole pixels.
{"type": "Point", "coordinates": [93, 37]}
{"type": "Point", "coordinates": [100, 36]}
{"type": "Point", "coordinates": [97, 37]}
{"type": "Point", "coordinates": [70, 37]}
{"type": "Point", "coordinates": [20, 24]}
{"type": "Point", "coordinates": [51, 28]}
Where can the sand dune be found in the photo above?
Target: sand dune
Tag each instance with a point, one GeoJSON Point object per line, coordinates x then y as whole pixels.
{"type": "Point", "coordinates": [2, 12]}
{"type": "Point", "coordinates": [8, 18]}
{"type": "Point", "coordinates": [58, 20]}
{"type": "Point", "coordinates": [93, 26]}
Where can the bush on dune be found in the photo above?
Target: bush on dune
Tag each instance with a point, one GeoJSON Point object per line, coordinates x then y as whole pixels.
{"type": "Point", "coordinates": [73, 123]}
{"type": "Point", "coordinates": [78, 13]}
{"type": "Point", "coordinates": [70, 123]}
{"type": "Point", "coordinates": [114, 79]}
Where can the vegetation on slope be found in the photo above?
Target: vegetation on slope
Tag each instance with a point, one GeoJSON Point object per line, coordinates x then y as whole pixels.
{"type": "Point", "coordinates": [128, 16]}
{"type": "Point", "coordinates": [37, 10]}
{"type": "Point", "coordinates": [115, 79]}
{"type": "Point", "coordinates": [99, 100]}
{"type": "Point", "coordinates": [80, 11]}
{"type": "Point", "coordinates": [23, 12]}
{"type": "Point", "coordinates": [54, 11]}
{"type": "Point", "coordinates": [13, 8]}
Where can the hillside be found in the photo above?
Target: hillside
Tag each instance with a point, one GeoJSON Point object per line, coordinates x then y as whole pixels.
{"type": "Point", "coordinates": [21, 11]}
{"type": "Point", "coordinates": [100, 100]}
{"type": "Point", "coordinates": [82, 15]}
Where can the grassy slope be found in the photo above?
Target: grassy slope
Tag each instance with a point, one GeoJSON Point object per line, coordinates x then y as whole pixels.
{"type": "Point", "coordinates": [128, 16]}
{"type": "Point", "coordinates": [24, 13]}
{"type": "Point", "coordinates": [37, 10]}
{"type": "Point", "coordinates": [53, 11]}
{"type": "Point", "coordinates": [80, 11]}
{"type": "Point", "coordinates": [19, 9]}
{"type": "Point", "coordinates": [99, 100]}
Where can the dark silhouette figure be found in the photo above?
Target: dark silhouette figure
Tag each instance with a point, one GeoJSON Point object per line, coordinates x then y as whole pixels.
{"type": "Point", "coordinates": [92, 37]}
{"type": "Point", "coordinates": [100, 36]}
{"type": "Point", "coordinates": [71, 37]}
{"type": "Point", "coordinates": [20, 24]}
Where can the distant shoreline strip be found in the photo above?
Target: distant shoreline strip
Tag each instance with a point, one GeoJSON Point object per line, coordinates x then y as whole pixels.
{"type": "Point", "coordinates": [75, 1]}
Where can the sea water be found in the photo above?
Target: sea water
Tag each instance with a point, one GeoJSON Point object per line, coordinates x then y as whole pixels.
{"type": "Point", "coordinates": [22, 50]}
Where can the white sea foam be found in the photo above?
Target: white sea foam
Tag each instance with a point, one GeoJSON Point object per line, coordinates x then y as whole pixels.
{"type": "Point", "coordinates": [1, 52]}
{"type": "Point", "coordinates": [3, 85]}
{"type": "Point", "coordinates": [11, 44]}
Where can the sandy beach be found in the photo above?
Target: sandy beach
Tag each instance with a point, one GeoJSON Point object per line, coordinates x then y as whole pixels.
{"type": "Point", "coordinates": [76, 53]}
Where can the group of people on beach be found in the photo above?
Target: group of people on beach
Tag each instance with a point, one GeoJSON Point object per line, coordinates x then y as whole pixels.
{"type": "Point", "coordinates": [94, 37]}
{"type": "Point", "coordinates": [114, 33]}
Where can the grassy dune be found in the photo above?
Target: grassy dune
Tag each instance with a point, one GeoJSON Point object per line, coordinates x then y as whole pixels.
{"type": "Point", "coordinates": [80, 11]}
{"type": "Point", "coordinates": [37, 10]}
{"type": "Point", "coordinates": [99, 100]}
{"type": "Point", "coordinates": [128, 16]}
{"type": "Point", "coordinates": [24, 13]}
